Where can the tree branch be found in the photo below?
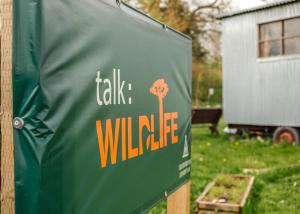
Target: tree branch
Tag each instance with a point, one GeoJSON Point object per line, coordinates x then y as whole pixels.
{"type": "Point", "coordinates": [201, 7]}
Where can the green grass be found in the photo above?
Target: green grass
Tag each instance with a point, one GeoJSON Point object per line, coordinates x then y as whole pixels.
{"type": "Point", "coordinates": [277, 191]}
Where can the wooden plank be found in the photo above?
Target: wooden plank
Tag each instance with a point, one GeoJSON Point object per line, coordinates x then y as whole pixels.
{"type": "Point", "coordinates": [179, 201]}
{"type": "Point", "coordinates": [204, 205]}
{"type": "Point", "coordinates": [249, 187]}
{"type": "Point", "coordinates": [7, 155]}
{"type": "Point", "coordinates": [206, 190]}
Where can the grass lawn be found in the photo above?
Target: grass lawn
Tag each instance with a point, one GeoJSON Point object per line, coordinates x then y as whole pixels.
{"type": "Point", "coordinates": [275, 191]}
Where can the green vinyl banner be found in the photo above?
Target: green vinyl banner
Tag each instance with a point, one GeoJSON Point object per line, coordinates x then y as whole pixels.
{"type": "Point", "coordinates": [101, 107]}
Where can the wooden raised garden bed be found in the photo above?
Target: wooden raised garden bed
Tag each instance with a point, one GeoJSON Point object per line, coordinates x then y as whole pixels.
{"type": "Point", "coordinates": [226, 194]}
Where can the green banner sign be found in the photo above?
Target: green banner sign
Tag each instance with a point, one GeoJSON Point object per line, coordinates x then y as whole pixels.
{"type": "Point", "coordinates": [102, 108]}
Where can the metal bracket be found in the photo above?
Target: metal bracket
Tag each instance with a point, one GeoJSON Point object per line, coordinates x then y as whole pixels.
{"type": "Point", "coordinates": [119, 2]}
{"type": "Point", "coordinates": [165, 27]}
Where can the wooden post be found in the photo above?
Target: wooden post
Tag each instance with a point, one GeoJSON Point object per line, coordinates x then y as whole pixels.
{"type": "Point", "coordinates": [7, 154]}
{"type": "Point", "coordinates": [179, 201]}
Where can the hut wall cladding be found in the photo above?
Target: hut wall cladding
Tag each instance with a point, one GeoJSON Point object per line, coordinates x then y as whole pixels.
{"type": "Point", "coordinates": [259, 91]}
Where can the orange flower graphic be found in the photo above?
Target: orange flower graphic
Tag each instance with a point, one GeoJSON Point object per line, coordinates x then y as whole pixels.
{"type": "Point", "coordinates": [160, 89]}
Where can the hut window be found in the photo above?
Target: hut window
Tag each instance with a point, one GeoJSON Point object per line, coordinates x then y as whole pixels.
{"type": "Point", "coordinates": [279, 38]}
{"type": "Point", "coordinates": [270, 39]}
{"type": "Point", "coordinates": [292, 36]}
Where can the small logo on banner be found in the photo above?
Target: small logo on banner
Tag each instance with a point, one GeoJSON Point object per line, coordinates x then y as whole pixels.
{"type": "Point", "coordinates": [185, 148]}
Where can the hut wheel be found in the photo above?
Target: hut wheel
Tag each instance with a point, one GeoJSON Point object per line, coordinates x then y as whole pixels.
{"type": "Point", "coordinates": [286, 134]}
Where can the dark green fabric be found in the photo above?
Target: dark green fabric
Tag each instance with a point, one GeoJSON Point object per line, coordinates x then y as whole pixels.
{"type": "Point", "coordinates": [58, 47]}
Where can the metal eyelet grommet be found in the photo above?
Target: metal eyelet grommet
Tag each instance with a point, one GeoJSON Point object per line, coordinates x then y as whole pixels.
{"type": "Point", "coordinates": [18, 123]}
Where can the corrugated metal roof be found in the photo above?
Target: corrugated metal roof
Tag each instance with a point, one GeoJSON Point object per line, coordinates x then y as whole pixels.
{"type": "Point", "coordinates": [254, 9]}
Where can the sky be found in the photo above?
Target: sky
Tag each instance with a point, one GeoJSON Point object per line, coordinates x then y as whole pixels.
{"type": "Point", "coordinates": [242, 4]}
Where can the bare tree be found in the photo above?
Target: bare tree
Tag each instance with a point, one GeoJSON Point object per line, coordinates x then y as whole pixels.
{"type": "Point", "coordinates": [196, 18]}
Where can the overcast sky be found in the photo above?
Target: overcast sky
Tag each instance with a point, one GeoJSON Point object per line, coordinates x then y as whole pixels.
{"type": "Point", "coordinates": [242, 4]}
